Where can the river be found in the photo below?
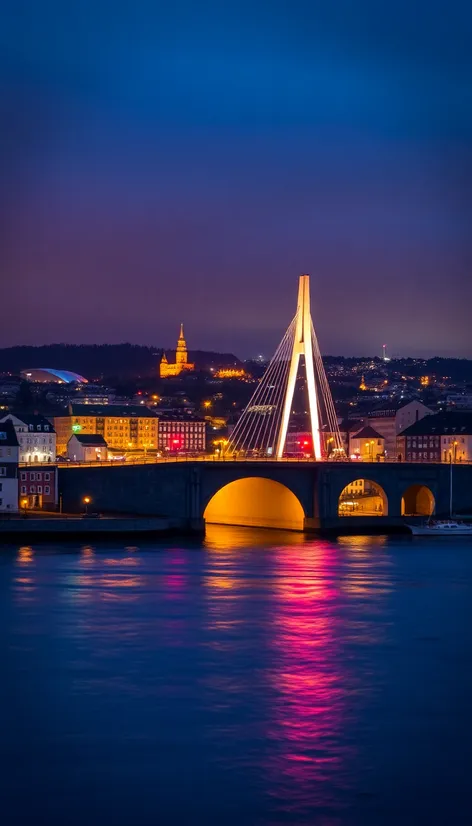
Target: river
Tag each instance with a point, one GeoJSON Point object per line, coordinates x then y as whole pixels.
{"type": "Point", "coordinates": [253, 678]}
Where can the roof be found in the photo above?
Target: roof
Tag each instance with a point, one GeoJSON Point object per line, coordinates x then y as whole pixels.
{"type": "Point", "coordinates": [179, 417]}
{"type": "Point", "coordinates": [67, 376]}
{"type": "Point", "coordinates": [89, 439]}
{"type": "Point", "coordinates": [121, 411]}
{"type": "Point", "coordinates": [367, 433]}
{"type": "Point", "coordinates": [350, 425]}
{"type": "Point", "coordinates": [8, 436]}
{"type": "Point", "coordinates": [36, 420]}
{"type": "Point", "coordinates": [447, 423]}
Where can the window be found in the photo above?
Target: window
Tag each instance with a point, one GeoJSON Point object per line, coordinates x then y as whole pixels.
{"type": "Point", "coordinates": [3, 471]}
{"type": "Point", "coordinates": [23, 476]}
{"type": "Point", "coordinates": [3, 436]}
{"type": "Point", "coordinates": [1, 487]}
{"type": "Point", "coordinates": [23, 489]}
{"type": "Point", "coordinates": [1, 502]}
{"type": "Point", "coordinates": [32, 477]}
{"type": "Point", "coordinates": [47, 489]}
{"type": "Point", "coordinates": [47, 477]}
{"type": "Point", "coordinates": [32, 488]}
{"type": "Point", "coordinates": [40, 488]}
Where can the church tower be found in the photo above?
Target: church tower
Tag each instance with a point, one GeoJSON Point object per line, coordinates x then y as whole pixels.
{"type": "Point", "coordinates": [181, 352]}
{"type": "Point", "coordinates": [169, 369]}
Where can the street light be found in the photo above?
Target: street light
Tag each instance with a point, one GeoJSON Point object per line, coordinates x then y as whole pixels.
{"type": "Point", "coordinates": [87, 501]}
{"type": "Point", "coordinates": [24, 502]}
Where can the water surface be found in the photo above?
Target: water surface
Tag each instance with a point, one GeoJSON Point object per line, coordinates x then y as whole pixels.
{"type": "Point", "coordinates": [255, 678]}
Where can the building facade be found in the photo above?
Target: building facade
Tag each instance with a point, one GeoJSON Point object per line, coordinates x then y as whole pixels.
{"type": "Point", "coordinates": [168, 369]}
{"type": "Point", "coordinates": [36, 437]}
{"type": "Point", "coordinates": [367, 444]}
{"type": "Point", "coordinates": [87, 447]}
{"type": "Point", "coordinates": [9, 457]}
{"type": "Point", "coordinates": [123, 427]}
{"type": "Point", "coordinates": [443, 437]}
{"type": "Point", "coordinates": [182, 434]}
{"type": "Point", "coordinates": [37, 488]}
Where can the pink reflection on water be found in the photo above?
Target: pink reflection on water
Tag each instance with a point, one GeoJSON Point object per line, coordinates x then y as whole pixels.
{"type": "Point", "coordinates": [309, 681]}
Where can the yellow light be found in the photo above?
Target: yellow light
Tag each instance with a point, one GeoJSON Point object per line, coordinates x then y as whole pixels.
{"type": "Point", "coordinates": [87, 500]}
{"type": "Point", "coordinates": [207, 403]}
{"type": "Point", "coordinates": [24, 502]}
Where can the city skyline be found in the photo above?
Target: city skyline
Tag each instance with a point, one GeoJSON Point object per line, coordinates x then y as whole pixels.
{"type": "Point", "coordinates": [165, 165]}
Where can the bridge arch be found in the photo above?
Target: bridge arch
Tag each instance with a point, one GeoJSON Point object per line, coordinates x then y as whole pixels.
{"type": "Point", "coordinates": [256, 501]}
{"type": "Point", "coordinates": [362, 497]}
{"type": "Point", "coordinates": [418, 500]}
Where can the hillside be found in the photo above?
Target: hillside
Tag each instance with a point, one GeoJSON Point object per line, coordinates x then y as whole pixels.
{"type": "Point", "coordinates": [95, 361]}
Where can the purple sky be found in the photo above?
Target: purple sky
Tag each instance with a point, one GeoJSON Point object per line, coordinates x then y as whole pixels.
{"type": "Point", "coordinates": [161, 165]}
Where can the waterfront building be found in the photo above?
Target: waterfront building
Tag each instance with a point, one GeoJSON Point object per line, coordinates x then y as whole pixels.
{"type": "Point", "coordinates": [37, 488]}
{"type": "Point", "coordinates": [181, 434]}
{"type": "Point", "coordinates": [367, 444]}
{"type": "Point", "coordinates": [87, 447]}
{"type": "Point", "coordinates": [168, 369]}
{"type": "Point", "coordinates": [36, 437]}
{"type": "Point", "coordinates": [9, 458]}
{"type": "Point", "coordinates": [443, 437]}
{"type": "Point", "coordinates": [123, 427]}
{"type": "Point", "coordinates": [389, 420]}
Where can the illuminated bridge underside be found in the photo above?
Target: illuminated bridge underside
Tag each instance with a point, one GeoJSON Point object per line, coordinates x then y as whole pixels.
{"type": "Point", "coordinates": [256, 502]}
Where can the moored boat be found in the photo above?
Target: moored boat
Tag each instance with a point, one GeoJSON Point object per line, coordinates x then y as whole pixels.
{"type": "Point", "coordinates": [446, 527]}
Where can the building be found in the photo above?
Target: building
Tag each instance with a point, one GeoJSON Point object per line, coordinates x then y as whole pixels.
{"type": "Point", "coordinates": [87, 447]}
{"type": "Point", "coordinates": [36, 437]}
{"type": "Point", "coordinates": [443, 437]}
{"type": "Point", "coordinates": [459, 401]}
{"type": "Point", "coordinates": [231, 373]}
{"type": "Point", "coordinates": [9, 458]}
{"type": "Point", "coordinates": [179, 434]}
{"type": "Point", "coordinates": [49, 375]}
{"type": "Point", "coordinates": [37, 488]}
{"type": "Point", "coordinates": [168, 369]}
{"type": "Point", "coordinates": [123, 427]}
{"type": "Point", "coordinates": [367, 444]}
{"type": "Point", "coordinates": [388, 420]}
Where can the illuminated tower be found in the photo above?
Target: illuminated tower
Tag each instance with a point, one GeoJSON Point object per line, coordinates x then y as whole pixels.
{"type": "Point", "coordinates": [168, 369]}
{"type": "Point", "coordinates": [181, 352]}
{"type": "Point", "coordinates": [302, 345]}
{"type": "Point", "coordinates": [261, 431]}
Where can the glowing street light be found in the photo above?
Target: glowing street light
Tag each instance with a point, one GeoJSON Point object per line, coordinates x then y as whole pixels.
{"type": "Point", "coordinates": [24, 502]}
{"type": "Point", "coordinates": [86, 501]}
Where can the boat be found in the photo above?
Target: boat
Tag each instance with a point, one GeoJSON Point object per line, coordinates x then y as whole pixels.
{"type": "Point", "coordinates": [443, 527]}
{"type": "Point", "coordinates": [446, 527]}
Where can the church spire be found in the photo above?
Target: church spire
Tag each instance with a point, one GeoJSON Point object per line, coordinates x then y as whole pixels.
{"type": "Point", "coordinates": [181, 336]}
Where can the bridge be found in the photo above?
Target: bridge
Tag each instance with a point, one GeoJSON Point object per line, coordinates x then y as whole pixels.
{"type": "Point", "coordinates": [272, 491]}
{"type": "Point", "coordinates": [290, 495]}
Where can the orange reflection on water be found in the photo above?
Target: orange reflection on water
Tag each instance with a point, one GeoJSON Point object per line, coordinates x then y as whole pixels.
{"type": "Point", "coordinates": [25, 555]}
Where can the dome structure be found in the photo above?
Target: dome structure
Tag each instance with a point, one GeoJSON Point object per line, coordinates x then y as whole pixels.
{"type": "Point", "coordinates": [49, 375]}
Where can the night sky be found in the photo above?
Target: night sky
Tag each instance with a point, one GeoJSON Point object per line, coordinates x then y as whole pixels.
{"type": "Point", "coordinates": [186, 161]}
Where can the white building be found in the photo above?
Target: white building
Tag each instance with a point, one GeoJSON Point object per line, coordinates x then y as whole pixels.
{"type": "Point", "coordinates": [9, 455]}
{"type": "Point", "coordinates": [36, 437]}
{"type": "Point", "coordinates": [87, 447]}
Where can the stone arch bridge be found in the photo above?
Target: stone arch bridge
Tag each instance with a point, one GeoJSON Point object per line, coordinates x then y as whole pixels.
{"type": "Point", "coordinates": [294, 495]}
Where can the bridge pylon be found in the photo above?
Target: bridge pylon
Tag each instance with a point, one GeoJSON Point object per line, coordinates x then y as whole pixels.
{"type": "Point", "coordinates": [262, 428]}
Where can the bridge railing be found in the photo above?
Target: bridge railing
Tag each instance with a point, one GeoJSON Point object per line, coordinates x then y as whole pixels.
{"type": "Point", "coordinates": [221, 460]}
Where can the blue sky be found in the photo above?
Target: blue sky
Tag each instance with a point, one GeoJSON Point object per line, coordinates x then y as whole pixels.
{"type": "Point", "coordinates": [187, 163]}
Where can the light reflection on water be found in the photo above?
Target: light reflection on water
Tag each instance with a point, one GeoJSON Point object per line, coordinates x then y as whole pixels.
{"type": "Point", "coordinates": [245, 674]}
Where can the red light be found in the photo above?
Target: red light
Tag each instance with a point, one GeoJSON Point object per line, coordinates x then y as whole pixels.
{"type": "Point", "coordinates": [140, 392]}
{"type": "Point", "coordinates": [305, 443]}
{"type": "Point", "coordinates": [175, 441]}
